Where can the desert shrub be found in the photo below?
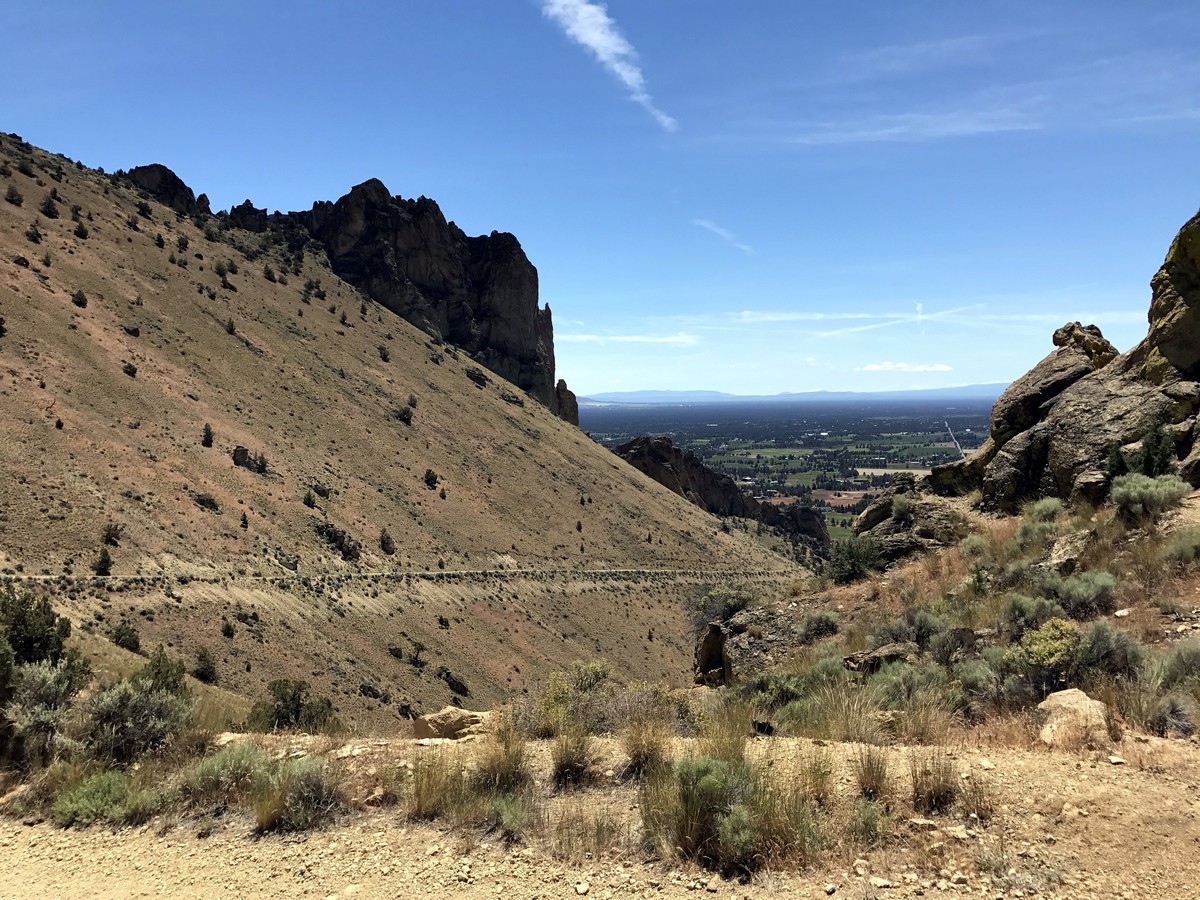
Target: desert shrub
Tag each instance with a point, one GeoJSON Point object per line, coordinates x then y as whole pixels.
{"type": "Point", "coordinates": [297, 795]}
{"type": "Point", "coordinates": [439, 782]}
{"type": "Point", "coordinates": [720, 604]}
{"type": "Point", "coordinates": [131, 719]}
{"type": "Point", "coordinates": [817, 625]}
{"type": "Point", "coordinates": [1139, 498]}
{"type": "Point", "coordinates": [1023, 614]}
{"type": "Point", "coordinates": [161, 673]}
{"type": "Point", "coordinates": [870, 823]}
{"type": "Point", "coordinates": [1082, 596]}
{"type": "Point", "coordinates": [106, 797]}
{"type": "Point", "coordinates": [902, 508]}
{"type": "Point", "coordinates": [980, 685]}
{"type": "Point", "coordinates": [502, 764]}
{"type": "Point", "coordinates": [838, 711]}
{"type": "Point", "coordinates": [33, 234]}
{"type": "Point", "coordinates": [126, 637]}
{"type": "Point", "coordinates": [582, 695]}
{"type": "Point", "coordinates": [775, 689]}
{"type": "Point", "coordinates": [291, 708]}
{"type": "Point", "coordinates": [205, 667]}
{"type": "Point", "coordinates": [80, 231]}
{"type": "Point", "coordinates": [571, 757]}
{"type": "Point", "coordinates": [1184, 547]}
{"type": "Point", "coordinates": [510, 813]}
{"type": "Point", "coordinates": [1046, 655]}
{"type": "Point", "coordinates": [13, 196]}
{"type": "Point", "coordinates": [852, 559]}
{"type": "Point", "coordinates": [973, 546]}
{"type": "Point", "coordinates": [698, 809]}
{"type": "Point", "coordinates": [915, 624]}
{"type": "Point", "coordinates": [49, 208]}
{"type": "Point", "coordinates": [39, 699]}
{"type": "Point", "coordinates": [647, 743]}
{"type": "Point", "coordinates": [935, 781]}
{"type": "Point", "coordinates": [923, 700]}
{"type": "Point", "coordinates": [1107, 651]}
{"type": "Point", "coordinates": [230, 773]}
{"type": "Point", "coordinates": [129, 369]}
{"type": "Point", "coordinates": [385, 353]}
{"type": "Point", "coordinates": [725, 727]}
{"type": "Point", "coordinates": [1180, 667]}
{"type": "Point", "coordinates": [1031, 534]}
{"type": "Point", "coordinates": [1173, 713]}
{"type": "Point", "coordinates": [871, 773]}
{"type": "Point", "coordinates": [1045, 510]}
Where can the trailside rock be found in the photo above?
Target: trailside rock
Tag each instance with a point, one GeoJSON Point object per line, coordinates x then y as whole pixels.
{"type": "Point", "coordinates": [1070, 718]}
{"type": "Point", "coordinates": [450, 723]}
{"type": "Point", "coordinates": [1053, 429]}
{"type": "Point", "coordinates": [712, 663]}
{"type": "Point", "coordinates": [478, 293]}
{"type": "Point", "coordinates": [902, 520]}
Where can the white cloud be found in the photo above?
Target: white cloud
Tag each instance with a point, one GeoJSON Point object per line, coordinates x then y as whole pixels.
{"type": "Point", "coordinates": [724, 233]}
{"type": "Point", "coordinates": [904, 367]}
{"type": "Point", "coordinates": [588, 24]}
{"type": "Point", "coordinates": [916, 127]}
{"type": "Point", "coordinates": [687, 340]}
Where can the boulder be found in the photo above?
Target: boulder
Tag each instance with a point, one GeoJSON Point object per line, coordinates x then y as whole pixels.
{"type": "Point", "coordinates": [451, 723]}
{"type": "Point", "coordinates": [1053, 429]}
{"type": "Point", "coordinates": [902, 521]}
{"type": "Point", "coordinates": [712, 663]}
{"type": "Point", "coordinates": [1070, 718]}
{"type": "Point", "coordinates": [869, 661]}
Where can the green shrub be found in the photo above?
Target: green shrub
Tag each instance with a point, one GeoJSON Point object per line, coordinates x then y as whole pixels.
{"type": "Point", "coordinates": [1157, 454]}
{"type": "Point", "coordinates": [852, 559]}
{"type": "Point", "coordinates": [1180, 667]}
{"type": "Point", "coordinates": [1139, 498]}
{"type": "Point", "coordinates": [870, 823]}
{"type": "Point", "coordinates": [973, 546]}
{"type": "Point", "coordinates": [915, 624]}
{"type": "Point", "coordinates": [817, 625]}
{"type": "Point", "coordinates": [1023, 614]}
{"type": "Point", "coordinates": [205, 667]}
{"type": "Point", "coordinates": [230, 773]}
{"type": "Point", "coordinates": [13, 196]}
{"type": "Point", "coordinates": [297, 795]}
{"type": "Point", "coordinates": [126, 637]}
{"type": "Point", "coordinates": [1045, 510]}
{"type": "Point", "coordinates": [130, 719]}
{"type": "Point", "coordinates": [31, 627]}
{"type": "Point", "coordinates": [1082, 596]}
{"type": "Point", "coordinates": [106, 797]}
{"type": "Point", "coordinates": [1032, 533]}
{"type": "Point", "coordinates": [161, 673]}
{"type": "Point", "coordinates": [720, 604]}
{"type": "Point", "coordinates": [290, 708]}
{"type": "Point", "coordinates": [1046, 655]}
{"type": "Point", "coordinates": [1184, 548]}
{"type": "Point", "coordinates": [1173, 713]}
{"type": "Point", "coordinates": [1107, 651]}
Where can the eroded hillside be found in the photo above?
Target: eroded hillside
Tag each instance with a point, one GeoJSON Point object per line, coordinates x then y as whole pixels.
{"type": "Point", "coordinates": [513, 542]}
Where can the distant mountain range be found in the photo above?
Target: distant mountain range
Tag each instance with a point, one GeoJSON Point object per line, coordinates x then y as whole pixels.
{"type": "Point", "coordinates": [696, 398]}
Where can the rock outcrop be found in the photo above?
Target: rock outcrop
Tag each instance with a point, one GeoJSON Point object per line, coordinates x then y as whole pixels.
{"type": "Point", "coordinates": [902, 520]}
{"type": "Point", "coordinates": [478, 293]}
{"type": "Point", "coordinates": [686, 474]}
{"type": "Point", "coordinates": [249, 218]}
{"type": "Point", "coordinates": [167, 187]}
{"type": "Point", "coordinates": [1053, 429]}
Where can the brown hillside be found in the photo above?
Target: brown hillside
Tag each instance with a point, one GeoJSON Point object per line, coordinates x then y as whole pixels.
{"type": "Point", "coordinates": [102, 411]}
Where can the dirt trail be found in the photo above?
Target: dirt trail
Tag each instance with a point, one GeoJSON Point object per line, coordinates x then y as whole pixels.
{"type": "Point", "coordinates": [1066, 825]}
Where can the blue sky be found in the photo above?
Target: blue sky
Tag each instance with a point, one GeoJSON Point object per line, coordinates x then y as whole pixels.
{"type": "Point", "coordinates": [753, 197]}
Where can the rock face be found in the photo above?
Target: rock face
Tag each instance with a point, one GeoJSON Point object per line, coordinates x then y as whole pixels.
{"type": "Point", "coordinates": [478, 293]}
{"type": "Point", "coordinates": [249, 218]}
{"type": "Point", "coordinates": [1053, 429]}
{"type": "Point", "coordinates": [168, 188]}
{"type": "Point", "coordinates": [686, 474]}
{"type": "Point", "coordinates": [712, 663]}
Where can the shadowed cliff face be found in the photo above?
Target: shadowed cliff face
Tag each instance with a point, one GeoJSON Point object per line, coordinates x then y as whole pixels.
{"type": "Point", "coordinates": [1053, 429]}
{"type": "Point", "coordinates": [686, 474]}
{"type": "Point", "coordinates": [478, 293]}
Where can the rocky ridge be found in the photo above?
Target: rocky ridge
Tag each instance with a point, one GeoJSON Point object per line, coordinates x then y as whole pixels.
{"type": "Point", "coordinates": [477, 293]}
{"type": "Point", "coordinates": [1053, 429]}
{"type": "Point", "coordinates": [686, 474]}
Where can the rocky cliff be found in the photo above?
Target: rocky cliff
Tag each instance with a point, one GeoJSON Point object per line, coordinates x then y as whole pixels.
{"type": "Point", "coordinates": [478, 293]}
{"type": "Point", "coordinates": [1053, 429]}
{"type": "Point", "coordinates": [686, 474]}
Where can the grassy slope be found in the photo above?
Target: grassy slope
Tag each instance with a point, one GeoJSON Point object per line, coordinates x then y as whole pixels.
{"type": "Point", "coordinates": [316, 398]}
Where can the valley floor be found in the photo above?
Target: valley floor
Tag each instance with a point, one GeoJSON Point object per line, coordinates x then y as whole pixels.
{"type": "Point", "coordinates": [1065, 825]}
